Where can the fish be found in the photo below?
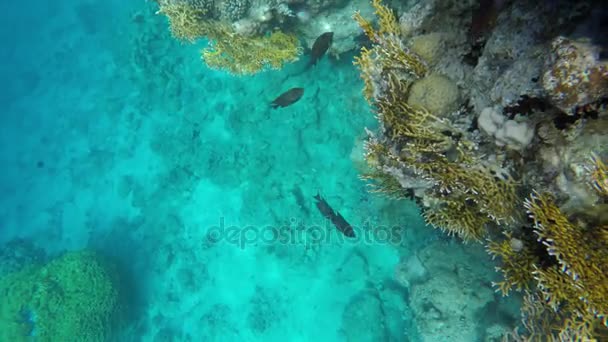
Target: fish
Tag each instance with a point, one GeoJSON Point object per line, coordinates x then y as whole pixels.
{"type": "Point", "coordinates": [343, 225]}
{"type": "Point", "coordinates": [287, 98]}
{"type": "Point", "coordinates": [334, 217]}
{"type": "Point", "coordinates": [324, 207]}
{"type": "Point", "coordinates": [320, 47]}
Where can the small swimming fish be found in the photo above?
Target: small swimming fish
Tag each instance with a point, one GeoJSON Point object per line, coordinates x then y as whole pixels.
{"type": "Point", "coordinates": [335, 217]}
{"type": "Point", "coordinates": [320, 47]}
{"type": "Point", "coordinates": [287, 98]}
{"type": "Point", "coordinates": [343, 226]}
{"type": "Point", "coordinates": [324, 207]}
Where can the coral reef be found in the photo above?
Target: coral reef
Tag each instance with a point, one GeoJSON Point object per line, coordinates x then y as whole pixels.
{"type": "Point", "coordinates": [233, 10]}
{"type": "Point", "coordinates": [73, 297]}
{"type": "Point", "coordinates": [573, 75]}
{"type": "Point", "coordinates": [581, 279]}
{"type": "Point", "coordinates": [476, 113]}
{"type": "Point", "coordinates": [260, 30]}
{"type": "Point", "coordinates": [460, 193]}
{"type": "Point", "coordinates": [229, 50]}
{"type": "Point", "coordinates": [246, 55]}
{"type": "Point", "coordinates": [232, 47]}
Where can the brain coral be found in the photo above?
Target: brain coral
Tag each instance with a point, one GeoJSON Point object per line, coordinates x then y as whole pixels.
{"type": "Point", "coordinates": [436, 93]}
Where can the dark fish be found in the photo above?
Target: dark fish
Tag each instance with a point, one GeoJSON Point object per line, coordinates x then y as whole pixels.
{"type": "Point", "coordinates": [287, 98]}
{"type": "Point", "coordinates": [343, 226]}
{"type": "Point", "coordinates": [320, 47]}
{"type": "Point", "coordinates": [335, 217]}
{"type": "Point", "coordinates": [324, 207]}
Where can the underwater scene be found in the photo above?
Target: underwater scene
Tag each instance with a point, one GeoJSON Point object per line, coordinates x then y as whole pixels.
{"type": "Point", "coordinates": [304, 170]}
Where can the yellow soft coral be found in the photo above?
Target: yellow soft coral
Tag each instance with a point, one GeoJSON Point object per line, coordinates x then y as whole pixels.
{"type": "Point", "coordinates": [228, 50]}
{"type": "Point", "coordinates": [387, 22]}
{"type": "Point", "coordinates": [457, 216]}
{"type": "Point", "coordinates": [581, 252]}
{"type": "Point", "coordinates": [185, 21]}
{"type": "Point", "coordinates": [430, 148]}
{"type": "Point", "coordinates": [599, 176]}
{"type": "Point", "coordinates": [544, 323]}
{"type": "Point", "coordinates": [384, 183]}
{"type": "Point", "coordinates": [388, 52]}
{"type": "Point", "coordinates": [247, 55]}
{"type": "Point", "coordinates": [517, 263]}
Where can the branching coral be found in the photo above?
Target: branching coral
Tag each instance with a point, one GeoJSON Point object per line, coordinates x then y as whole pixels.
{"type": "Point", "coordinates": [229, 50]}
{"type": "Point", "coordinates": [388, 52]}
{"type": "Point", "coordinates": [457, 216]}
{"type": "Point", "coordinates": [247, 55]}
{"type": "Point", "coordinates": [599, 176]}
{"type": "Point", "coordinates": [543, 323]}
{"type": "Point", "coordinates": [517, 263]}
{"type": "Point", "coordinates": [568, 301]}
{"type": "Point", "coordinates": [384, 183]}
{"type": "Point", "coordinates": [185, 20]}
{"type": "Point", "coordinates": [388, 24]}
{"type": "Point", "coordinates": [581, 252]}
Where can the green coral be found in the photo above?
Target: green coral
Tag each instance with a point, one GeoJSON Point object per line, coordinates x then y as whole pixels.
{"type": "Point", "coordinates": [73, 298]}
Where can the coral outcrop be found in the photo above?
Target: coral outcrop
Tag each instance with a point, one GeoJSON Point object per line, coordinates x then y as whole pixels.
{"type": "Point", "coordinates": [573, 75]}
{"type": "Point", "coordinates": [511, 110]}
{"type": "Point", "coordinates": [231, 47]}
{"type": "Point", "coordinates": [459, 191]}
{"type": "Point", "coordinates": [265, 32]}
{"type": "Point", "coordinates": [75, 297]}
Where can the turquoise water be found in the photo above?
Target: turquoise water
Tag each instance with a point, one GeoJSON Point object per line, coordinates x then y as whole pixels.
{"type": "Point", "coordinates": [116, 138]}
